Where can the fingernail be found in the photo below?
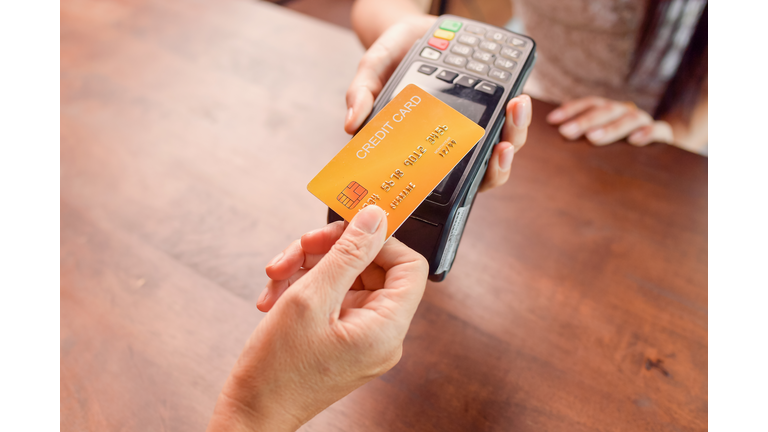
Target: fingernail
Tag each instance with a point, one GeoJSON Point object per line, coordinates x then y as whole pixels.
{"type": "Point", "coordinates": [596, 134]}
{"type": "Point", "coordinates": [522, 113]}
{"type": "Point", "coordinates": [368, 220]}
{"type": "Point", "coordinates": [556, 116]}
{"type": "Point", "coordinates": [356, 106]}
{"type": "Point", "coordinates": [505, 161]}
{"type": "Point", "coordinates": [570, 130]}
{"type": "Point", "coordinates": [262, 296]}
{"type": "Point", "coordinates": [276, 259]}
{"type": "Point", "coordinates": [350, 113]}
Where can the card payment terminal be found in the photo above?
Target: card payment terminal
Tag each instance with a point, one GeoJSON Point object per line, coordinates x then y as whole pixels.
{"type": "Point", "coordinates": [475, 68]}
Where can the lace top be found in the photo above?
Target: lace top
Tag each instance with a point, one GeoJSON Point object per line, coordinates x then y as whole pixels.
{"type": "Point", "coordinates": [584, 48]}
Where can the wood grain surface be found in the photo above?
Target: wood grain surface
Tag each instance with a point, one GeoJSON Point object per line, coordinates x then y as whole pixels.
{"type": "Point", "coordinates": [189, 130]}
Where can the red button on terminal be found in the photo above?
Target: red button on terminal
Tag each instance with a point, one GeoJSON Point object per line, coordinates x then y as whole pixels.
{"type": "Point", "coordinates": [440, 44]}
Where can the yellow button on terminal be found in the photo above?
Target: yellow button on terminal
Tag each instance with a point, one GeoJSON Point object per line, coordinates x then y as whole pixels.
{"type": "Point", "coordinates": [444, 34]}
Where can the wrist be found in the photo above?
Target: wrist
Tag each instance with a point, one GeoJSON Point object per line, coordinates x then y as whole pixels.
{"type": "Point", "coordinates": [371, 18]}
{"type": "Point", "coordinates": [419, 22]}
{"type": "Point", "coordinates": [255, 413]}
{"type": "Point", "coordinates": [414, 24]}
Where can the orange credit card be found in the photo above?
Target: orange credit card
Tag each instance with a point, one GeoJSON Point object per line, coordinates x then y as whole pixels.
{"type": "Point", "coordinates": [398, 158]}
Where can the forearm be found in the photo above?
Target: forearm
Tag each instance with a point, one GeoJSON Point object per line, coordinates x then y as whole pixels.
{"type": "Point", "coordinates": [253, 399]}
{"type": "Point", "coordinates": [370, 18]}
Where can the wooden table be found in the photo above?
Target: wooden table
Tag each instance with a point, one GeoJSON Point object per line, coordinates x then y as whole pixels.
{"type": "Point", "coordinates": [189, 130]}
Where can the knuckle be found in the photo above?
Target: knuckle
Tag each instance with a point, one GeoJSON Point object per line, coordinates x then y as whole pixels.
{"type": "Point", "coordinates": [605, 112]}
{"type": "Point", "coordinates": [584, 121]}
{"type": "Point", "coordinates": [422, 265]}
{"type": "Point", "coordinates": [589, 118]}
{"type": "Point", "coordinates": [570, 105]}
{"type": "Point", "coordinates": [349, 251]}
{"type": "Point", "coordinates": [422, 262]}
{"type": "Point", "coordinates": [417, 263]}
{"type": "Point", "coordinates": [610, 132]}
{"type": "Point", "coordinates": [374, 57]}
{"type": "Point", "coordinates": [350, 96]}
{"type": "Point", "coordinates": [368, 60]}
{"type": "Point", "coordinates": [616, 107]}
{"type": "Point", "coordinates": [594, 100]}
{"type": "Point", "coordinates": [633, 116]}
{"type": "Point", "coordinates": [299, 302]}
{"type": "Point", "coordinates": [343, 336]}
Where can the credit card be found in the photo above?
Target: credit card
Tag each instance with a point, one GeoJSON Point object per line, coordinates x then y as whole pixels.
{"type": "Point", "coordinates": [398, 158]}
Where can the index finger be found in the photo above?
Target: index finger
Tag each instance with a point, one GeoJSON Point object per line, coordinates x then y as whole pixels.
{"type": "Point", "coordinates": [406, 276]}
{"type": "Point", "coordinates": [572, 108]}
{"type": "Point", "coordinates": [305, 253]}
{"type": "Point", "coordinates": [373, 71]}
{"type": "Point", "coordinates": [375, 68]}
{"type": "Point", "coordinates": [320, 241]}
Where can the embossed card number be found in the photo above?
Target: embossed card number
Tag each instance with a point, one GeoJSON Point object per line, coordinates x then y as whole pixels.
{"type": "Point", "coordinates": [398, 158]}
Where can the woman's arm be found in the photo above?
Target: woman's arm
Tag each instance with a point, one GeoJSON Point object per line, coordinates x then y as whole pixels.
{"type": "Point", "coordinates": [370, 18]}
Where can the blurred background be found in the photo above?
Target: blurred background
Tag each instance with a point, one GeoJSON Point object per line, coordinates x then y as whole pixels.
{"type": "Point", "coordinates": [496, 12]}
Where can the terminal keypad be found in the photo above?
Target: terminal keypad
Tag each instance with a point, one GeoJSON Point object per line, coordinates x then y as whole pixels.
{"type": "Point", "coordinates": [484, 52]}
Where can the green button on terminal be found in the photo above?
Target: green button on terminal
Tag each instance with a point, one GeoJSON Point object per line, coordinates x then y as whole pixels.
{"type": "Point", "coordinates": [450, 25]}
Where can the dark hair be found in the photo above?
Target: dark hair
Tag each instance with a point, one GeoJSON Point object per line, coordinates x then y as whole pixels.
{"type": "Point", "coordinates": [684, 88]}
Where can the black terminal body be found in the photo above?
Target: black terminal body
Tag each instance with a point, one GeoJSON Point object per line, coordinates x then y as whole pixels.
{"type": "Point", "coordinates": [475, 68]}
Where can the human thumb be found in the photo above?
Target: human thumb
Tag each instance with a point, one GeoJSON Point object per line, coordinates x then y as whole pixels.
{"type": "Point", "coordinates": [351, 254]}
